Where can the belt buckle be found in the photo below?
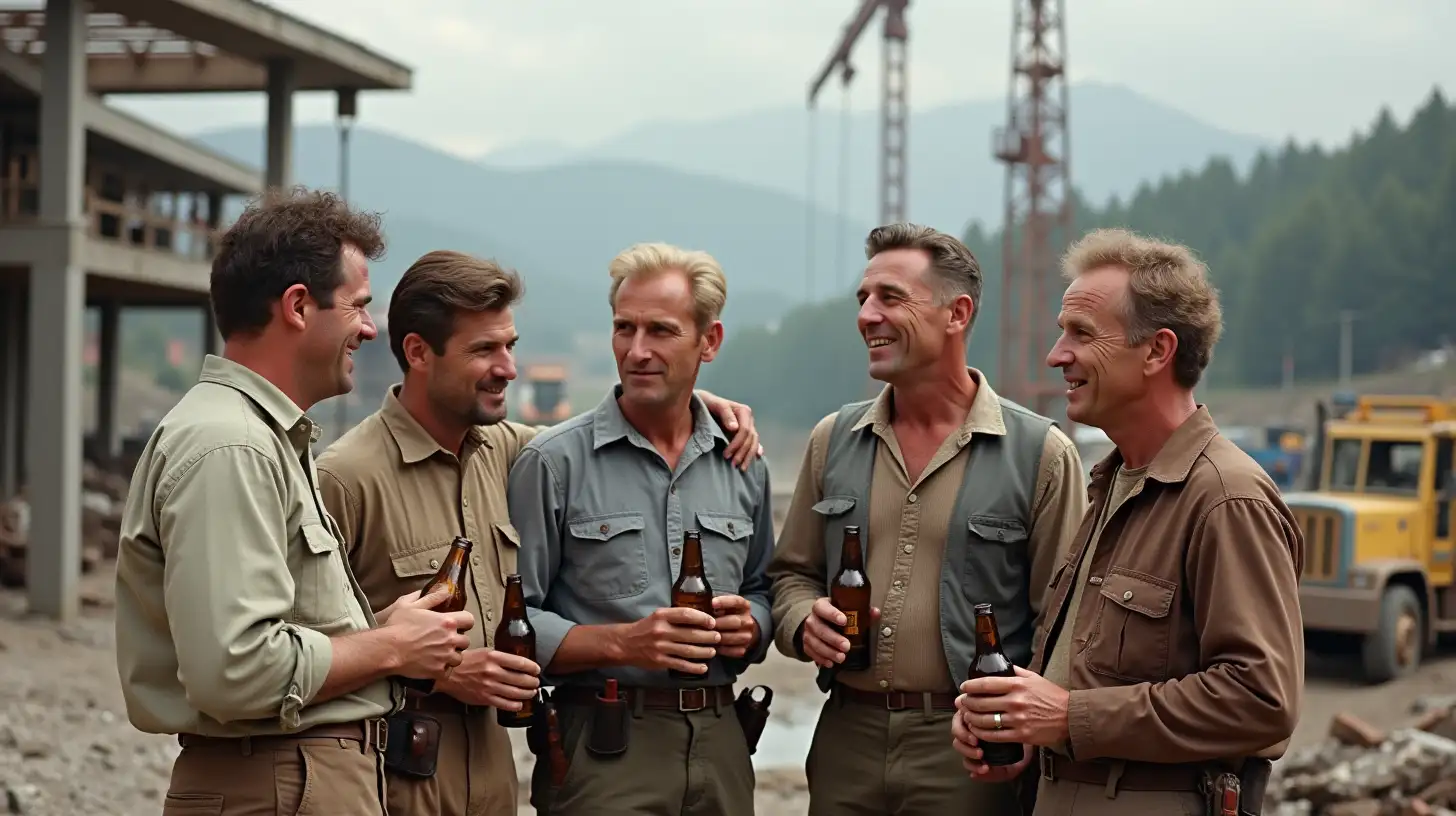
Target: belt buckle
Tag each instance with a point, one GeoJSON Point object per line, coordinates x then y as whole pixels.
{"type": "Point", "coordinates": [895, 701]}
{"type": "Point", "coordinates": [378, 730]}
{"type": "Point", "coordinates": [682, 698]}
{"type": "Point", "coordinates": [1044, 763]}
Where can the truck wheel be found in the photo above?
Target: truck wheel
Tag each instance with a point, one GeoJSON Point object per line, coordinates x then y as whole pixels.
{"type": "Point", "coordinates": [1394, 648]}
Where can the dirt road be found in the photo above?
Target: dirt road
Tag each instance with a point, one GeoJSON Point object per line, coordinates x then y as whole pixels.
{"type": "Point", "coordinates": [66, 748]}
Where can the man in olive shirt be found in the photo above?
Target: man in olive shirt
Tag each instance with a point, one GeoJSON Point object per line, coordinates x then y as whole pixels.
{"type": "Point", "coordinates": [239, 626]}
{"type": "Point", "coordinates": [962, 497]}
{"type": "Point", "coordinates": [603, 502]}
{"type": "Point", "coordinates": [431, 464]}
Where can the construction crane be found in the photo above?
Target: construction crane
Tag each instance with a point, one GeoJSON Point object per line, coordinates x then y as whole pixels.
{"type": "Point", "coordinates": [893, 105]}
{"type": "Point", "coordinates": [1038, 198]}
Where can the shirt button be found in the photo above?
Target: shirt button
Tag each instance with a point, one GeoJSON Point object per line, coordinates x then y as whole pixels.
{"type": "Point", "coordinates": [475, 559]}
{"type": "Point", "coordinates": [898, 582]}
{"type": "Point", "coordinates": [887, 631]}
{"type": "Point", "coordinates": [909, 548]}
{"type": "Point", "coordinates": [677, 550]}
{"type": "Point", "coordinates": [488, 614]}
{"type": "Point", "coordinates": [603, 529]}
{"type": "Point", "coordinates": [884, 684]}
{"type": "Point", "coordinates": [1127, 596]}
{"type": "Point", "coordinates": [465, 502]}
{"type": "Point", "coordinates": [434, 563]}
{"type": "Point", "coordinates": [1095, 580]}
{"type": "Point", "coordinates": [912, 498]}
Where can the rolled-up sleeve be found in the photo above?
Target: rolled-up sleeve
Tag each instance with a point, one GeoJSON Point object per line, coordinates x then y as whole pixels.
{"type": "Point", "coordinates": [757, 589]}
{"type": "Point", "coordinates": [534, 498]}
{"type": "Point", "coordinates": [227, 589]}
{"type": "Point", "coordinates": [1243, 571]}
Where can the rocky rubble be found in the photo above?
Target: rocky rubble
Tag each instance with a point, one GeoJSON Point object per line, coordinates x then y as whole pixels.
{"type": "Point", "coordinates": [103, 493]}
{"type": "Point", "coordinates": [1361, 770]}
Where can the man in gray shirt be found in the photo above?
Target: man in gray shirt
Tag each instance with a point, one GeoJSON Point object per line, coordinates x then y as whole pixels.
{"type": "Point", "coordinates": [602, 503]}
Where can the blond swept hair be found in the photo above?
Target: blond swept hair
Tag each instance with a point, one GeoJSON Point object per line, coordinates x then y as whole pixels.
{"type": "Point", "coordinates": [1168, 288]}
{"type": "Point", "coordinates": [705, 276]}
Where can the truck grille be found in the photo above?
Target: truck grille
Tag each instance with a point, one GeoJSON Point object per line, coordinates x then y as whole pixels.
{"type": "Point", "coordinates": [1321, 543]}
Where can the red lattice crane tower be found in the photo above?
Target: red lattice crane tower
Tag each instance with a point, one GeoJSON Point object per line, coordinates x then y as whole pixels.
{"type": "Point", "coordinates": [1038, 218]}
{"type": "Point", "coordinates": [894, 107]}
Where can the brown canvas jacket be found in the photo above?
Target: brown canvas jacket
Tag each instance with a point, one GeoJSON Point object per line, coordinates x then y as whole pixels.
{"type": "Point", "coordinates": [1188, 641]}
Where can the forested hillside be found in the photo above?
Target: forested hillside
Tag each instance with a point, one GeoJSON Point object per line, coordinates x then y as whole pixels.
{"type": "Point", "coordinates": [1307, 233]}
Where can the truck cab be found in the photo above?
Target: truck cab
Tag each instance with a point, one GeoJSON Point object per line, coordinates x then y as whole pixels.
{"type": "Point", "coordinates": [1377, 522]}
{"type": "Point", "coordinates": [544, 399]}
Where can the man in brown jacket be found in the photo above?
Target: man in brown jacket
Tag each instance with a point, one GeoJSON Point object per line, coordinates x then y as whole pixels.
{"type": "Point", "coordinates": [1171, 648]}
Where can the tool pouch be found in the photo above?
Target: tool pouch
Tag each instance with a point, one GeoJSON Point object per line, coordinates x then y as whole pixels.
{"type": "Point", "coordinates": [1253, 780]}
{"type": "Point", "coordinates": [752, 714]}
{"type": "Point", "coordinates": [413, 744]}
{"type": "Point", "coordinates": [536, 731]}
{"type": "Point", "coordinates": [607, 735]}
{"type": "Point", "coordinates": [1221, 794]}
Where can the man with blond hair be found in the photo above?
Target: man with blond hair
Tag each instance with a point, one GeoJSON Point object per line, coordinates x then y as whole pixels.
{"type": "Point", "coordinates": [602, 503]}
{"type": "Point", "coordinates": [1171, 649]}
{"type": "Point", "coordinates": [962, 497]}
{"type": "Point", "coordinates": [429, 465]}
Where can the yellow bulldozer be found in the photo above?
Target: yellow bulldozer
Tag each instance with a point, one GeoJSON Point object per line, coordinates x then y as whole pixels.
{"type": "Point", "coordinates": [543, 398]}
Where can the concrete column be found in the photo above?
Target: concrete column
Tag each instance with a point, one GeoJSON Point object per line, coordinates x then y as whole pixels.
{"type": "Point", "coordinates": [57, 314]}
{"type": "Point", "coordinates": [108, 376]}
{"type": "Point", "coordinates": [282, 82]}
{"type": "Point", "coordinates": [12, 389]}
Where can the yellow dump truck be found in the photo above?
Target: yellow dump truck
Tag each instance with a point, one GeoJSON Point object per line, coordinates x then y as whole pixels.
{"type": "Point", "coordinates": [1378, 529]}
{"type": "Point", "coordinates": [544, 399]}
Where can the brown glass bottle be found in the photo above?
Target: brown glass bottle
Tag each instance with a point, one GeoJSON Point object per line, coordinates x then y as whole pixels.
{"type": "Point", "coordinates": [452, 576]}
{"type": "Point", "coordinates": [850, 594]}
{"type": "Point", "coordinates": [991, 661]}
{"type": "Point", "coordinates": [691, 589]}
{"type": "Point", "coordinates": [516, 636]}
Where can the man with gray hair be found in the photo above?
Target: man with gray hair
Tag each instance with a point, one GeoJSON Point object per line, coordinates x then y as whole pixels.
{"type": "Point", "coordinates": [603, 503]}
{"type": "Point", "coordinates": [1171, 650]}
{"type": "Point", "coordinates": [961, 496]}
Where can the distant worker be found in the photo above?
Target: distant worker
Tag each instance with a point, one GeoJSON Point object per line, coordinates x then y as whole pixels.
{"type": "Point", "coordinates": [239, 626]}
{"type": "Point", "coordinates": [961, 497]}
{"type": "Point", "coordinates": [1172, 644]}
{"type": "Point", "coordinates": [603, 503]}
{"type": "Point", "coordinates": [429, 465]}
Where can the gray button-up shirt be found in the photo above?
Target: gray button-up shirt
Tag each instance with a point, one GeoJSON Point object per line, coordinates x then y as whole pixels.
{"type": "Point", "coordinates": [601, 520]}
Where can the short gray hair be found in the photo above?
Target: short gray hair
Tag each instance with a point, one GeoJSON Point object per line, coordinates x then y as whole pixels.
{"type": "Point", "coordinates": [955, 266]}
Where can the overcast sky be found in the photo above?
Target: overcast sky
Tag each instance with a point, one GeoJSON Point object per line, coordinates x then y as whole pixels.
{"type": "Point", "coordinates": [489, 74]}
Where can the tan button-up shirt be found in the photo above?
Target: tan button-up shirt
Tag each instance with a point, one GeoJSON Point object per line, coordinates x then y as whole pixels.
{"type": "Point", "coordinates": [400, 499]}
{"type": "Point", "coordinates": [915, 515]}
{"type": "Point", "coordinates": [1187, 643]}
{"type": "Point", "coordinates": [230, 581]}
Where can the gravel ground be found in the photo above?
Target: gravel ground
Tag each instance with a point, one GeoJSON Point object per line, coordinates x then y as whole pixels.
{"type": "Point", "coordinates": [66, 748]}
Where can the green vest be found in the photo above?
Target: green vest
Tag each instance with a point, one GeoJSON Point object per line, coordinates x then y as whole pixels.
{"type": "Point", "coordinates": [986, 558]}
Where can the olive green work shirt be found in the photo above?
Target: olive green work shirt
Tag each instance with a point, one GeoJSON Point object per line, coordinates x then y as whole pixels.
{"type": "Point", "coordinates": [400, 499]}
{"type": "Point", "coordinates": [230, 581]}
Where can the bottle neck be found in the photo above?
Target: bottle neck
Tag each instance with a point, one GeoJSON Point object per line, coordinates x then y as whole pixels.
{"type": "Point", "coordinates": [692, 560]}
{"type": "Point", "coordinates": [852, 553]}
{"type": "Point", "coordinates": [987, 638]}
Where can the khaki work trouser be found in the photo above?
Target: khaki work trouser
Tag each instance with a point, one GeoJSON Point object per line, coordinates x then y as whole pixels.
{"type": "Point", "coordinates": [475, 772]}
{"type": "Point", "coordinates": [868, 761]}
{"type": "Point", "coordinates": [1063, 797]}
{"type": "Point", "coordinates": [326, 776]}
{"type": "Point", "coordinates": [676, 764]}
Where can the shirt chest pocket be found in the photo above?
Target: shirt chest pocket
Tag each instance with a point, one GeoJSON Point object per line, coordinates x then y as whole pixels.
{"type": "Point", "coordinates": [605, 557]}
{"type": "Point", "coordinates": [1131, 636]}
{"type": "Point", "coordinates": [321, 591]}
{"type": "Point", "coordinates": [725, 549]}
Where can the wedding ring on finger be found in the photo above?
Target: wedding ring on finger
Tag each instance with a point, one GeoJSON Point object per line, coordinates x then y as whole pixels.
{"type": "Point", "coordinates": [997, 719]}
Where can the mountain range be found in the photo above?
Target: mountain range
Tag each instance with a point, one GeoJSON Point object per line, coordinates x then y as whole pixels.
{"type": "Point", "coordinates": [728, 186]}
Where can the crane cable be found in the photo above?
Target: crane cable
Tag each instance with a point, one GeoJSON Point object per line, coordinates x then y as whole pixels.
{"type": "Point", "coordinates": [844, 122]}
{"type": "Point", "coordinates": [810, 210]}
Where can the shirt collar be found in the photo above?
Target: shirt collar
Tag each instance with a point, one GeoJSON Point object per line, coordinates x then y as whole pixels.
{"type": "Point", "coordinates": [1174, 461]}
{"type": "Point", "coordinates": [610, 425]}
{"type": "Point", "coordinates": [278, 406]}
{"type": "Point", "coordinates": [984, 417]}
{"type": "Point", "coordinates": [415, 443]}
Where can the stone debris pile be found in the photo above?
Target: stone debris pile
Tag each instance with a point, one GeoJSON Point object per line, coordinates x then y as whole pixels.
{"type": "Point", "coordinates": [103, 494]}
{"type": "Point", "coordinates": [1361, 770]}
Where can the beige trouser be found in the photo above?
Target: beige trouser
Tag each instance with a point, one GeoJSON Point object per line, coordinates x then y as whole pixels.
{"type": "Point", "coordinates": [676, 764]}
{"type": "Point", "coordinates": [326, 776]}
{"type": "Point", "coordinates": [1063, 797]}
{"type": "Point", "coordinates": [868, 761]}
{"type": "Point", "coordinates": [475, 772]}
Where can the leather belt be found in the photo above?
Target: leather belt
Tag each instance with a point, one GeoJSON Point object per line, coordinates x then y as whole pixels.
{"type": "Point", "coordinates": [898, 700]}
{"type": "Point", "coordinates": [1137, 776]}
{"type": "Point", "coordinates": [370, 734]}
{"type": "Point", "coordinates": [665, 699]}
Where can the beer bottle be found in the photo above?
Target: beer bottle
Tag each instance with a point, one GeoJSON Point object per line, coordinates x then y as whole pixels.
{"type": "Point", "coordinates": [516, 636]}
{"type": "Point", "coordinates": [991, 661]}
{"type": "Point", "coordinates": [452, 575]}
{"type": "Point", "coordinates": [691, 589]}
{"type": "Point", "coordinates": [850, 594]}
